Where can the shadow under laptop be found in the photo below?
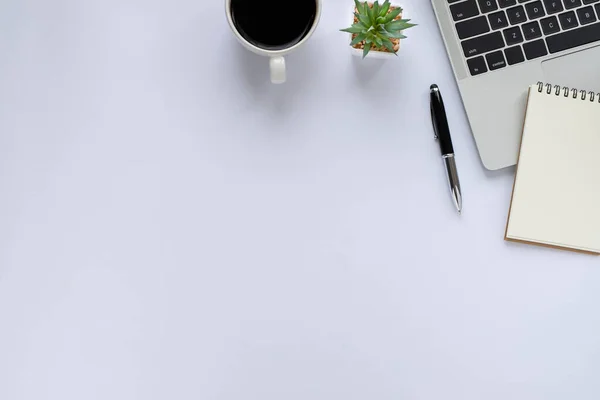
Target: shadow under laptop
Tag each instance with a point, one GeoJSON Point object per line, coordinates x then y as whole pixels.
{"type": "Point", "coordinates": [504, 172]}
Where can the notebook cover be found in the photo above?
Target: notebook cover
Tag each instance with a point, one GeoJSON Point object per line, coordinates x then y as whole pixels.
{"type": "Point", "coordinates": [545, 243]}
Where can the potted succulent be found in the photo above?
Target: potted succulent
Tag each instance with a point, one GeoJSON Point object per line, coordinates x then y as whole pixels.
{"type": "Point", "coordinates": [377, 29]}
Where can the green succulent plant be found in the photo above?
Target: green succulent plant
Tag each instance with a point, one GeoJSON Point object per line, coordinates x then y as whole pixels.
{"type": "Point", "coordinates": [376, 25]}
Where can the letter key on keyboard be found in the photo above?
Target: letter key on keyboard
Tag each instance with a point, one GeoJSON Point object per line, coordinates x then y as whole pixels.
{"type": "Point", "coordinates": [535, 10]}
{"type": "Point", "coordinates": [569, 4]}
{"type": "Point", "coordinates": [586, 15]}
{"type": "Point", "coordinates": [550, 25]}
{"type": "Point", "coordinates": [553, 6]}
{"type": "Point", "coordinates": [488, 5]}
{"type": "Point", "coordinates": [516, 15]}
{"type": "Point", "coordinates": [532, 30]}
{"type": "Point", "coordinates": [513, 35]}
{"type": "Point", "coordinates": [568, 20]}
{"type": "Point", "coordinates": [498, 20]}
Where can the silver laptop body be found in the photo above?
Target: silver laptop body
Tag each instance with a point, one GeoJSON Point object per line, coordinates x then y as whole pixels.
{"type": "Point", "coordinates": [498, 48]}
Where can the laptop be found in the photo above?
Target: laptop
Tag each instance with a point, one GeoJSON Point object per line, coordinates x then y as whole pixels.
{"type": "Point", "coordinates": [498, 48]}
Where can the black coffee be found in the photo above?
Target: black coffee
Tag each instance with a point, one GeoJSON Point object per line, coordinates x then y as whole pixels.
{"type": "Point", "coordinates": [273, 24]}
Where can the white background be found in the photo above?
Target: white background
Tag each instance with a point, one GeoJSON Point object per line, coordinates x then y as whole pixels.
{"type": "Point", "coordinates": [175, 227]}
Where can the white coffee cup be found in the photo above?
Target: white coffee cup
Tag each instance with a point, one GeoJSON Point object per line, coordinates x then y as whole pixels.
{"type": "Point", "coordinates": [277, 60]}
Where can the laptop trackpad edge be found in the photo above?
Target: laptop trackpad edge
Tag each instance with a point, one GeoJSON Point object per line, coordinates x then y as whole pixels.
{"type": "Point", "coordinates": [578, 70]}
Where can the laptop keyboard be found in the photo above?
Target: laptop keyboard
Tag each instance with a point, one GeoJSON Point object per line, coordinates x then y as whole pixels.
{"type": "Point", "coordinates": [498, 33]}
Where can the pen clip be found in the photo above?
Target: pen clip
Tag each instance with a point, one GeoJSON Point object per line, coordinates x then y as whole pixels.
{"type": "Point", "coordinates": [433, 122]}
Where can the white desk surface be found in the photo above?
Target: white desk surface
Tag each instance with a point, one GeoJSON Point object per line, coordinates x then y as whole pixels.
{"type": "Point", "coordinates": [175, 227]}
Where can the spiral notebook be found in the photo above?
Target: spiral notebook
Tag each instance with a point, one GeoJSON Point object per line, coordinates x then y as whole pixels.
{"type": "Point", "coordinates": [556, 194]}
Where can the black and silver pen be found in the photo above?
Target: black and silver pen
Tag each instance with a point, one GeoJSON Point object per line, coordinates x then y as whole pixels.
{"type": "Point", "coordinates": [442, 134]}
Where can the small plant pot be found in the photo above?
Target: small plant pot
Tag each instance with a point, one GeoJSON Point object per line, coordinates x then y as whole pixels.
{"type": "Point", "coordinates": [383, 54]}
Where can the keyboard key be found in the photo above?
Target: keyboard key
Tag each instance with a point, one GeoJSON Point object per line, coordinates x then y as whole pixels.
{"type": "Point", "coordinates": [535, 10]}
{"type": "Point", "coordinates": [498, 20]}
{"type": "Point", "coordinates": [514, 55]}
{"type": "Point", "coordinates": [590, 1]}
{"type": "Point", "coordinates": [508, 3]}
{"type": "Point", "coordinates": [550, 25]}
{"type": "Point", "coordinates": [569, 4]}
{"type": "Point", "coordinates": [535, 49]}
{"type": "Point", "coordinates": [574, 38]}
{"type": "Point", "coordinates": [553, 6]}
{"type": "Point", "coordinates": [483, 44]}
{"type": "Point", "coordinates": [597, 7]}
{"type": "Point", "coordinates": [488, 5]}
{"type": "Point", "coordinates": [477, 65]}
{"type": "Point", "coordinates": [495, 60]}
{"type": "Point", "coordinates": [568, 20]}
{"type": "Point", "coordinates": [472, 27]}
{"type": "Point", "coordinates": [513, 35]}
{"type": "Point", "coordinates": [516, 15]}
{"type": "Point", "coordinates": [586, 15]}
{"type": "Point", "coordinates": [466, 9]}
{"type": "Point", "coordinates": [532, 30]}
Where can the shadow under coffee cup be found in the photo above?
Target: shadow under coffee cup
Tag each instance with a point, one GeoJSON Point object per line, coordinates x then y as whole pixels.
{"type": "Point", "coordinates": [273, 28]}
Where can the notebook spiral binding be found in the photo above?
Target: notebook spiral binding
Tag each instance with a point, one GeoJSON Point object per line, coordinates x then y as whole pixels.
{"type": "Point", "coordinates": [582, 94]}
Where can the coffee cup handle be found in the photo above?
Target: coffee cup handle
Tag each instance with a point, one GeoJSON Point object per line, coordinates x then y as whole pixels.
{"type": "Point", "coordinates": [277, 66]}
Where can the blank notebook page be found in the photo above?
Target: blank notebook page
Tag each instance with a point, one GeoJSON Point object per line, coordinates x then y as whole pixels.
{"type": "Point", "coordinates": [556, 197]}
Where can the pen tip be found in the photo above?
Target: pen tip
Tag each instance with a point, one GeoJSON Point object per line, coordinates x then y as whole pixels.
{"type": "Point", "coordinates": [433, 87]}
